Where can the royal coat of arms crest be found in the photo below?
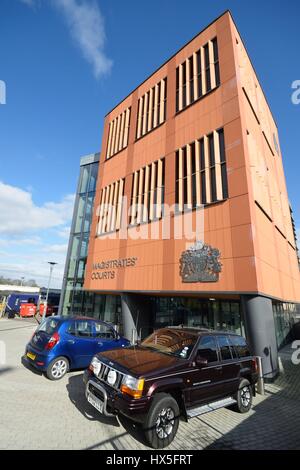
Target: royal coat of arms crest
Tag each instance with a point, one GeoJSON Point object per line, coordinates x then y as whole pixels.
{"type": "Point", "coordinates": [200, 263]}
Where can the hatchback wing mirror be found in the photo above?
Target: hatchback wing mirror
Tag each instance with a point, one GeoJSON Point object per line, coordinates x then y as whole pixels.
{"type": "Point", "coordinates": [201, 361]}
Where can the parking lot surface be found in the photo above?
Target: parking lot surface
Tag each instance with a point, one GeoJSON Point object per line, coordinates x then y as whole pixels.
{"type": "Point", "coordinates": [36, 413]}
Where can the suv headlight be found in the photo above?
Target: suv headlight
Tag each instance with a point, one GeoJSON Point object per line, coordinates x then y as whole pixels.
{"type": "Point", "coordinates": [95, 365]}
{"type": "Point", "coordinates": [132, 386]}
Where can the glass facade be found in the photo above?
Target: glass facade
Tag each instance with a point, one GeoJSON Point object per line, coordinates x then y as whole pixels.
{"type": "Point", "coordinates": [191, 311]}
{"type": "Point", "coordinates": [74, 300]}
{"type": "Point", "coordinates": [284, 319]}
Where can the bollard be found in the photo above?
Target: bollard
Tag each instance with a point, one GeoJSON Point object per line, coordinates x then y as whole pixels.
{"type": "Point", "coordinates": [260, 383]}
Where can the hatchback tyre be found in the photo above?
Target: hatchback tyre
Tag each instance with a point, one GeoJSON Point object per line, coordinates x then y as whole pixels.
{"type": "Point", "coordinates": [57, 368]}
{"type": "Point", "coordinates": [244, 397]}
{"type": "Point", "coordinates": [162, 421]}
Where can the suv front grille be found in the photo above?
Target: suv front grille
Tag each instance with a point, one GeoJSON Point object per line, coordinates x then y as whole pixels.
{"type": "Point", "coordinates": [103, 376]}
{"type": "Point", "coordinates": [95, 391]}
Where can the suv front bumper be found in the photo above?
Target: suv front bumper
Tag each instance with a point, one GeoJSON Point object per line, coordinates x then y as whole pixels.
{"type": "Point", "coordinates": [113, 401]}
{"type": "Point", "coordinates": [96, 395]}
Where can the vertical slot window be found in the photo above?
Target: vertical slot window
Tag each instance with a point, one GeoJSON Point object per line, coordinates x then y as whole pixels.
{"type": "Point", "coordinates": [216, 61]}
{"type": "Point", "coordinates": [207, 68]}
{"type": "Point", "coordinates": [223, 163]}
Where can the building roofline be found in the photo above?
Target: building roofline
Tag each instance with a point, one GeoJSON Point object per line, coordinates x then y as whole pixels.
{"type": "Point", "coordinates": [168, 60]}
{"type": "Point", "coordinates": [186, 44]}
{"type": "Point", "coordinates": [91, 158]}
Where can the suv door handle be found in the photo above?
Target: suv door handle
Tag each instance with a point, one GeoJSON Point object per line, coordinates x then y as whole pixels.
{"type": "Point", "coordinates": [219, 368]}
{"type": "Point", "coordinates": [99, 343]}
{"type": "Point", "coordinates": [71, 341]}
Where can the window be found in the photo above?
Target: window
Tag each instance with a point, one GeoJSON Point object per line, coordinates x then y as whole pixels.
{"type": "Point", "coordinates": [208, 349]}
{"type": "Point", "coordinates": [213, 187]}
{"type": "Point", "coordinates": [216, 61]}
{"type": "Point", "coordinates": [147, 193]}
{"type": "Point", "coordinates": [83, 329]}
{"type": "Point", "coordinates": [177, 89]}
{"type": "Point", "coordinates": [223, 163]}
{"type": "Point", "coordinates": [172, 342]}
{"type": "Point", "coordinates": [191, 78]}
{"type": "Point", "coordinates": [183, 84]}
{"type": "Point", "coordinates": [111, 207]}
{"type": "Point", "coordinates": [199, 73]}
{"type": "Point", "coordinates": [48, 326]}
{"type": "Point", "coordinates": [240, 345]}
{"type": "Point", "coordinates": [224, 346]}
{"type": "Point", "coordinates": [93, 177]}
{"type": "Point", "coordinates": [207, 68]}
{"type": "Point", "coordinates": [152, 108]}
{"type": "Point", "coordinates": [201, 175]}
{"type": "Point", "coordinates": [118, 133]}
{"type": "Point", "coordinates": [205, 61]}
{"type": "Point", "coordinates": [202, 172]}
{"type": "Point", "coordinates": [84, 177]}
{"type": "Point", "coordinates": [104, 331]}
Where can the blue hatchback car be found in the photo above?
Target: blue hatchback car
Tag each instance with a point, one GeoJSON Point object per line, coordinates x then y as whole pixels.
{"type": "Point", "coordinates": [61, 344]}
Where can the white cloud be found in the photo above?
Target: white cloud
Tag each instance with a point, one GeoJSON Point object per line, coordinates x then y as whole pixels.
{"type": "Point", "coordinates": [86, 24]}
{"type": "Point", "coordinates": [31, 235]}
{"type": "Point", "coordinates": [19, 214]}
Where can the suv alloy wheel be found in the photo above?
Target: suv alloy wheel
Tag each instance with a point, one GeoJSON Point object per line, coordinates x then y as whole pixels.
{"type": "Point", "coordinates": [244, 397]}
{"type": "Point", "coordinates": [162, 421]}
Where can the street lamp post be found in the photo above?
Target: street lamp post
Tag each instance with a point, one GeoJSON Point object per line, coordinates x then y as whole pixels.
{"type": "Point", "coordinates": [22, 279]}
{"type": "Point", "coordinates": [52, 264]}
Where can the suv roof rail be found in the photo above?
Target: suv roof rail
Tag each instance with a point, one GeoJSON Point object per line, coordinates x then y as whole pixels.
{"type": "Point", "coordinates": [202, 328]}
{"type": "Point", "coordinates": [198, 328]}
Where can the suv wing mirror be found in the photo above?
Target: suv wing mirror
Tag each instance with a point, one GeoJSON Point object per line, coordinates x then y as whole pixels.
{"type": "Point", "coordinates": [201, 361]}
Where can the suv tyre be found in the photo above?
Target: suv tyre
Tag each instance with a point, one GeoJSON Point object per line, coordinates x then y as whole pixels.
{"type": "Point", "coordinates": [244, 397]}
{"type": "Point", "coordinates": [162, 421]}
{"type": "Point", "coordinates": [57, 368]}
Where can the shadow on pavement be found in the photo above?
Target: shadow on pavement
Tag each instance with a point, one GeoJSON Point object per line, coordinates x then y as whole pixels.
{"type": "Point", "coordinates": [275, 423]}
{"type": "Point", "coordinates": [134, 429]}
{"type": "Point", "coordinates": [5, 370]}
{"type": "Point", "coordinates": [76, 391]}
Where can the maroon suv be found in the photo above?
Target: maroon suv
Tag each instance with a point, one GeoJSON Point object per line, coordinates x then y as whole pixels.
{"type": "Point", "coordinates": [176, 371]}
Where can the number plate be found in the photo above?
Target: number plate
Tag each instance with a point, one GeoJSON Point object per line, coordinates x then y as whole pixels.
{"type": "Point", "coordinates": [95, 402]}
{"type": "Point", "coordinates": [31, 356]}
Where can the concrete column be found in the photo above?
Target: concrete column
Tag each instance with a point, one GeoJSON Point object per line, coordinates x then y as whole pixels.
{"type": "Point", "coordinates": [136, 315]}
{"type": "Point", "coordinates": [260, 331]}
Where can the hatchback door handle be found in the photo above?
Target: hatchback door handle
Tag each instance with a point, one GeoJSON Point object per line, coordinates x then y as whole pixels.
{"type": "Point", "coordinates": [71, 341]}
{"type": "Point", "coordinates": [99, 343]}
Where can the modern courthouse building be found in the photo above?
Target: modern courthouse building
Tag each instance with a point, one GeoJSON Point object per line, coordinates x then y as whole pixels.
{"type": "Point", "coordinates": [197, 136]}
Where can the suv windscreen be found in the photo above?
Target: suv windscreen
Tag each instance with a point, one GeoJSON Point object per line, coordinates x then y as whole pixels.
{"type": "Point", "coordinates": [208, 349]}
{"type": "Point", "coordinates": [48, 326]}
{"type": "Point", "coordinates": [173, 342]}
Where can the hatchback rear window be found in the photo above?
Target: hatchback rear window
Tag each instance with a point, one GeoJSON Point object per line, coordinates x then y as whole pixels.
{"type": "Point", "coordinates": [49, 326]}
{"type": "Point", "coordinates": [240, 345]}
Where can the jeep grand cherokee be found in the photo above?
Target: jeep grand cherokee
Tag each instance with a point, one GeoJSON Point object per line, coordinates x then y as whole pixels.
{"type": "Point", "coordinates": [174, 372]}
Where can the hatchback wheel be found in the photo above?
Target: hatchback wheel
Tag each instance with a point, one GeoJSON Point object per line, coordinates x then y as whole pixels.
{"type": "Point", "coordinates": [57, 368]}
{"type": "Point", "coordinates": [244, 397]}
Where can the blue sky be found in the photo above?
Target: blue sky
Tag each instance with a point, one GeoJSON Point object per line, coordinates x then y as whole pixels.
{"type": "Point", "coordinates": [66, 63]}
